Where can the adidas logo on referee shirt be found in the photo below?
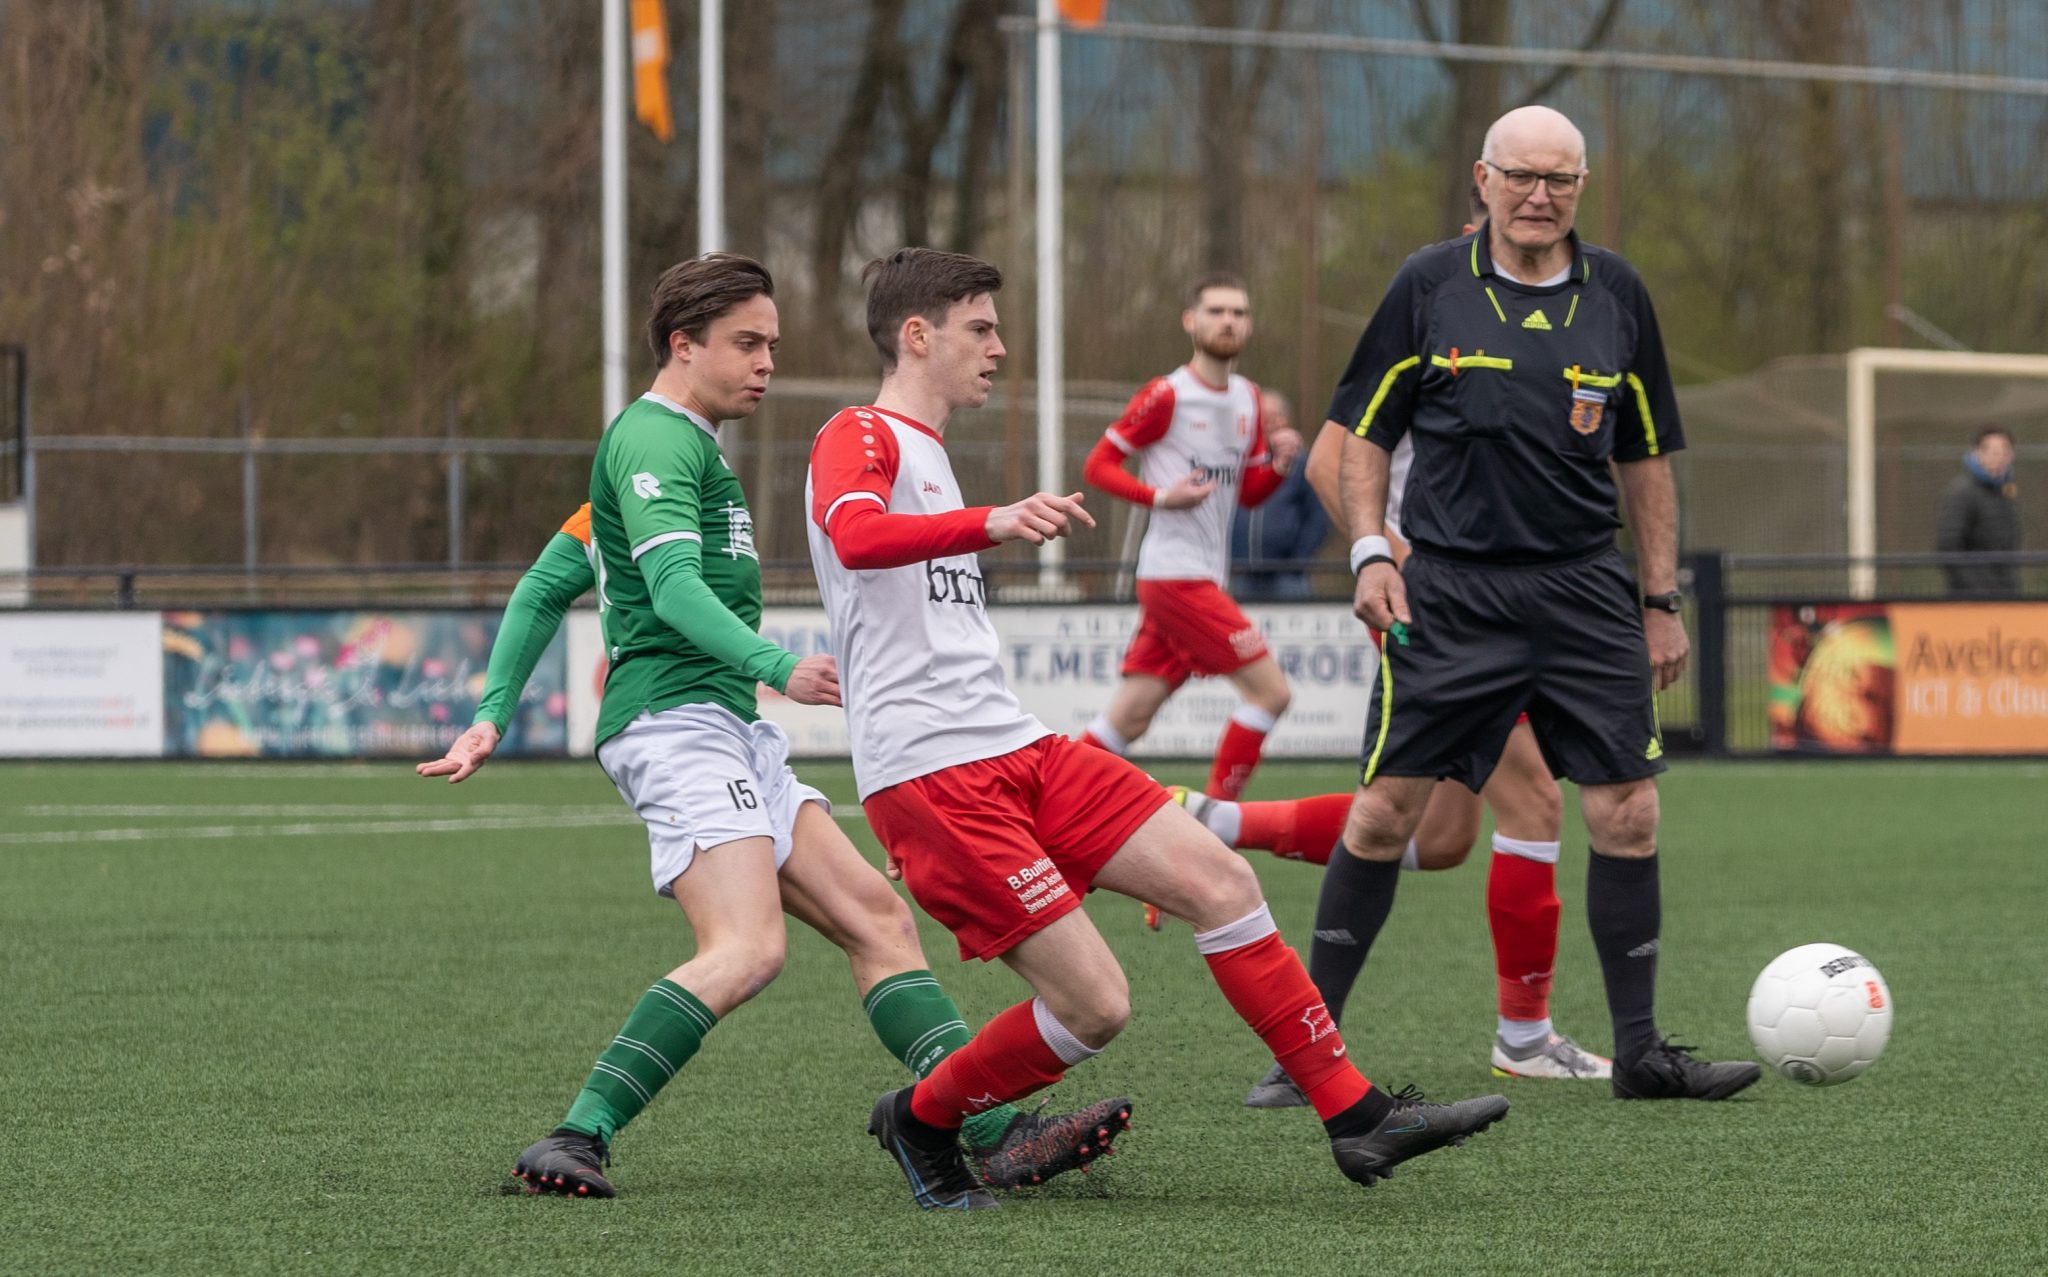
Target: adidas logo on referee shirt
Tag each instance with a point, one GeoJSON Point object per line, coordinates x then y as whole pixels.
{"type": "Point", "coordinates": [1537, 321]}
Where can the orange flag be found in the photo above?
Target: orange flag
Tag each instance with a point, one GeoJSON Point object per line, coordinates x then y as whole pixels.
{"type": "Point", "coordinates": [1083, 13]}
{"type": "Point", "coordinates": [650, 69]}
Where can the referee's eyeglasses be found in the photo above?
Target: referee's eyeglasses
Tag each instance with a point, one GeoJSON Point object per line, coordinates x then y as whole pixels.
{"type": "Point", "coordinates": [1522, 181]}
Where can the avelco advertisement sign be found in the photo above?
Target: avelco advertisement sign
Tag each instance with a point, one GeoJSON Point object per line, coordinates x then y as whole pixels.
{"type": "Point", "coordinates": [1910, 678]}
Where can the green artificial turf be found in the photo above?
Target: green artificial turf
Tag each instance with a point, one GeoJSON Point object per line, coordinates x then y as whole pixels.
{"type": "Point", "coordinates": [272, 1019]}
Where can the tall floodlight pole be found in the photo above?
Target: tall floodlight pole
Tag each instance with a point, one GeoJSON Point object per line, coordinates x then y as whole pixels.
{"type": "Point", "coordinates": [1051, 242]}
{"type": "Point", "coordinates": [613, 206]}
{"type": "Point", "coordinates": [710, 126]}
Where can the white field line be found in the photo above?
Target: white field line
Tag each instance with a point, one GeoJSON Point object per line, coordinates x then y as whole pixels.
{"type": "Point", "coordinates": [359, 828]}
{"type": "Point", "coordinates": [308, 811]}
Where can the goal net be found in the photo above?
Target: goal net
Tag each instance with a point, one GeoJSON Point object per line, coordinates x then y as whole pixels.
{"type": "Point", "coordinates": [1848, 456]}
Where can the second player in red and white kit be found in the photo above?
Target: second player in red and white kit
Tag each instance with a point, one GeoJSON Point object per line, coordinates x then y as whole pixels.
{"type": "Point", "coordinates": [1202, 448]}
{"type": "Point", "coordinates": [998, 825]}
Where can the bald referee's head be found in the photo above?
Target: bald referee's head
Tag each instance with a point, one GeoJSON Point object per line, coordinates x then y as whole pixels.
{"type": "Point", "coordinates": [1530, 173]}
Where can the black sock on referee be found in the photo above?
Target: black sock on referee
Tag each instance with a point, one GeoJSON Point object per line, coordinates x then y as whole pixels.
{"type": "Point", "coordinates": [1357, 895]}
{"type": "Point", "coordinates": [1624, 908]}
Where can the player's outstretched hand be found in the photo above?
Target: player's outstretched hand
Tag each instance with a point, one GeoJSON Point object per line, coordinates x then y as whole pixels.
{"type": "Point", "coordinates": [1188, 490]}
{"type": "Point", "coordinates": [1381, 598]}
{"type": "Point", "coordinates": [1285, 445]}
{"type": "Point", "coordinates": [814, 681]}
{"type": "Point", "coordinates": [1038, 518]}
{"type": "Point", "coordinates": [1668, 645]}
{"type": "Point", "coordinates": [466, 755]}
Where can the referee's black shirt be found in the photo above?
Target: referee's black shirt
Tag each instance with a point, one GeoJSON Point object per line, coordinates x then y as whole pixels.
{"type": "Point", "coordinates": [1516, 398]}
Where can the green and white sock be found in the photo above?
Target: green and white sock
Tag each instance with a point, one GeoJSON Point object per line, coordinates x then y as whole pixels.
{"type": "Point", "coordinates": [920, 1025]}
{"type": "Point", "coordinates": [664, 1031]}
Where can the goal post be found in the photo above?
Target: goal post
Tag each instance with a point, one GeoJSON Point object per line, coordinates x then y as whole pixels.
{"type": "Point", "coordinates": [1864, 364]}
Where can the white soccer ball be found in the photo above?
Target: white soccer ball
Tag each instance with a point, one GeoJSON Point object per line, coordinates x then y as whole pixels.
{"type": "Point", "coordinates": [1820, 1014]}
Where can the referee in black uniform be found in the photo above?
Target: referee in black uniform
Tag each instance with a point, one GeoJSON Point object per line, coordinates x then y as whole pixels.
{"type": "Point", "coordinates": [1522, 363]}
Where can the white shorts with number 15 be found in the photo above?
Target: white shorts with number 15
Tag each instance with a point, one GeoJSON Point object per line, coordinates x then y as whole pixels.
{"type": "Point", "coordinates": [700, 777]}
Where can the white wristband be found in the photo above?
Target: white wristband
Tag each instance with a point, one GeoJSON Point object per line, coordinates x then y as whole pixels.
{"type": "Point", "coordinates": [1368, 547]}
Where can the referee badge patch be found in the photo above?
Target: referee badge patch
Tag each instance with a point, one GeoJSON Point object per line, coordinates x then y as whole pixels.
{"type": "Point", "coordinates": [1587, 405]}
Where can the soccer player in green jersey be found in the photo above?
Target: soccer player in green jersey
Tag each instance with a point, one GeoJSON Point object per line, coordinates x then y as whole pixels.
{"type": "Point", "coordinates": [735, 837]}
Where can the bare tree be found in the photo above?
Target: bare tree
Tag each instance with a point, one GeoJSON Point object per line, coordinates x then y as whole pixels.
{"type": "Point", "coordinates": [1478, 89]}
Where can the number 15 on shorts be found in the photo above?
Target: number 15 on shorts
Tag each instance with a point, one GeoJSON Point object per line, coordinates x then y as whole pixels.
{"type": "Point", "coordinates": [742, 795]}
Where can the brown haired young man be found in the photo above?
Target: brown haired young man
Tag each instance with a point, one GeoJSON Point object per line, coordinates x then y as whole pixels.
{"type": "Point", "coordinates": [998, 826]}
{"type": "Point", "coordinates": [735, 838]}
{"type": "Point", "coordinates": [1199, 434]}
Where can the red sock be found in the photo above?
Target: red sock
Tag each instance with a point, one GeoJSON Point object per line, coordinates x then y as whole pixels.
{"type": "Point", "coordinates": [1007, 1060]}
{"type": "Point", "coordinates": [1521, 903]}
{"type": "Point", "coordinates": [1264, 982]}
{"type": "Point", "coordinates": [1295, 829]}
{"type": "Point", "coordinates": [1237, 755]}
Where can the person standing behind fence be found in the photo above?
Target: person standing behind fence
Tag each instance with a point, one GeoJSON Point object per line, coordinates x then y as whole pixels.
{"type": "Point", "coordinates": [1980, 513]}
{"type": "Point", "coordinates": [1274, 542]}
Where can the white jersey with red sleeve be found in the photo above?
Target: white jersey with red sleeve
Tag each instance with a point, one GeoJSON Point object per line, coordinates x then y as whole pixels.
{"type": "Point", "coordinates": [920, 666]}
{"type": "Point", "coordinates": [1179, 424]}
{"type": "Point", "coordinates": [1397, 482]}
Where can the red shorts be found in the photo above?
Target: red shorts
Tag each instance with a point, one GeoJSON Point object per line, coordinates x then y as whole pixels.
{"type": "Point", "coordinates": [1187, 628]}
{"type": "Point", "coordinates": [1000, 848]}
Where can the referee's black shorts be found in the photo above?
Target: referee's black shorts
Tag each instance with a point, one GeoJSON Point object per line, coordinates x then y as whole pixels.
{"type": "Point", "coordinates": [1562, 642]}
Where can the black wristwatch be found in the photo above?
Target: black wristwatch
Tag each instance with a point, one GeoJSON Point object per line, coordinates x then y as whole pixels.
{"type": "Point", "coordinates": [1664, 602]}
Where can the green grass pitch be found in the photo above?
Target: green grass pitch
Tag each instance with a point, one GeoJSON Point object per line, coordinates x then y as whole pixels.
{"type": "Point", "coordinates": [300, 1019]}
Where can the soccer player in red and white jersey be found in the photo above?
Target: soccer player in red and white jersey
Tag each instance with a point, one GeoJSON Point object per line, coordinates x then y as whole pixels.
{"type": "Point", "coordinates": [997, 825]}
{"type": "Point", "coordinates": [1203, 450]}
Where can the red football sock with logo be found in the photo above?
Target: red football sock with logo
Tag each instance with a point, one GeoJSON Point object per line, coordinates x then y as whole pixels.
{"type": "Point", "coordinates": [1294, 829]}
{"type": "Point", "coordinates": [1237, 754]}
{"type": "Point", "coordinates": [1264, 982]}
{"type": "Point", "coordinates": [1009, 1059]}
{"type": "Point", "coordinates": [1522, 906]}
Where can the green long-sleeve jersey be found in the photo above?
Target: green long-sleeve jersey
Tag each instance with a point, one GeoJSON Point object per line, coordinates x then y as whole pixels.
{"type": "Point", "coordinates": [678, 579]}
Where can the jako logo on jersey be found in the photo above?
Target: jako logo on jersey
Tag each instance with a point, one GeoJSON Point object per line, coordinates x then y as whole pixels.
{"type": "Point", "coordinates": [954, 585]}
{"type": "Point", "coordinates": [739, 533]}
{"type": "Point", "coordinates": [1319, 1023]}
{"type": "Point", "coordinates": [929, 486]}
{"type": "Point", "coordinates": [646, 486]}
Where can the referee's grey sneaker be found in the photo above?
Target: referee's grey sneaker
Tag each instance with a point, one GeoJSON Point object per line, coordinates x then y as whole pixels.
{"type": "Point", "coordinates": [1276, 1090]}
{"type": "Point", "coordinates": [1558, 1056]}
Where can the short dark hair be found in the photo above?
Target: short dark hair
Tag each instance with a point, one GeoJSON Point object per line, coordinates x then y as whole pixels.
{"type": "Point", "coordinates": [920, 281]}
{"type": "Point", "coordinates": [691, 294]}
{"type": "Point", "coordinates": [1214, 279]}
{"type": "Point", "coordinates": [1985, 432]}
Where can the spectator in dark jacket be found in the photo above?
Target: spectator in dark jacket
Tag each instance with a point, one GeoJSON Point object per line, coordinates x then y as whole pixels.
{"type": "Point", "coordinates": [1979, 513]}
{"type": "Point", "coordinates": [1288, 526]}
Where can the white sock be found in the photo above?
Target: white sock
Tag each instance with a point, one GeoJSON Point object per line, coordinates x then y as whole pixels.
{"type": "Point", "coordinates": [1411, 856]}
{"type": "Point", "coordinates": [1110, 736]}
{"type": "Point", "coordinates": [1064, 1044]}
{"type": "Point", "coordinates": [1250, 929]}
{"type": "Point", "coordinates": [1250, 716]}
{"type": "Point", "coordinates": [1543, 852]}
{"type": "Point", "coordinates": [1523, 1034]}
{"type": "Point", "coordinates": [1225, 820]}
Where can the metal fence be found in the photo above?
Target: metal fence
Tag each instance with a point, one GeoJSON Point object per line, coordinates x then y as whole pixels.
{"type": "Point", "coordinates": [13, 422]}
